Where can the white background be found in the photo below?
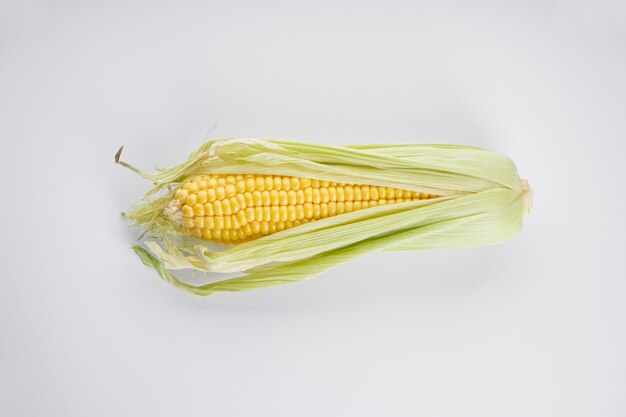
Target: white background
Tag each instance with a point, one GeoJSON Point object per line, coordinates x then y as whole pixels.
{"type": "Point", "coordinates": [532, 327]}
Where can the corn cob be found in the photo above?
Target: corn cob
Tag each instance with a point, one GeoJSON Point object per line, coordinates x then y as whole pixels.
{"type": "Point", "coordinates": [236, 208]}
{"type": "Point", "coordinates": [297, 209]}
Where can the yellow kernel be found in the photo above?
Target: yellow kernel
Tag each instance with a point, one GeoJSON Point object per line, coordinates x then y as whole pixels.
{"type": "Point", "coordinates": [341, 207]}
{"type": "Point", "coordinates": [208, 209]}
{"type": "Point", "coordinates": [357, 193]}
{"type": "Point", "coordinates": [308, 195]}
{"type": "Point", "coordinates": [198, 209]}
{"type": "Point", "coordinates": [249, 184]}
{"type": "Point", "coordinates": [259, 184]}
{"type": "Point", "coordinates": [270, 198]}
{"type": "Point", "coordinates": [216, 234]}
{"type": "Point", "coordinates": [316, 196]}
{"type": "Point", "coordinates": [230, 190]}
{"type": "Point", "coordinates": [234, 222]}
{"type": "Point", "coordinates": [203, 184]}
{"type": "Point", "coordinates": [209, 222]}
{"type": "Point", "coordinates": [406, 194]}
{"type": "Point", "coordinates": [365, 192]}
{"type": "Point", "coordinates": [399, 200]}
{"type": "Point", "coordinates": [305, 183]}
{"type": "Point", "coordinates": [241, 235]}
{"type": "Point", "coordinates": [291, 213]}
{"type": "Point", "coordinates": [226, 208]}
{"type": "Point", "coordinates": [349, 206]}
{"type": "Point", "coordinates": [341, 194]}
{"type": "Point", "coordinates": [250, 217]}
{"type": "Point", "coordinates": [241, 218]}
{"type": "Point", "coordinates": [282, 198]}
{"type": "Point", "coordinates": [373, 203]}
{"type": "Point", "coordinates": [220, 193]}
{"type": "Point", "coordinates": [219, 222]}
{"type": "Point", "coordinates": [324, 197]}
{"type": "Point", "coordinates": [323, 210]}
{"type": "Point", "coordinates": [226, 236]}
{"type": "Point", "coordinates": [240, 186]}
{"type": "Point", "coordinates": [382, 201]}
{"type": "Point", "coordinates": [217, 208]}
{"type": "Point", "coordinates": [238, 177]}
{"type": "Point", "coordinates": [247, 229]}
{"type": "Point", "coordinates": [206, 234]}
{"type": "Point", "coordinates": [234, 204]}
{"type": "Point", "coordinates": [317, 213]}
{"type": "Point", "coordinates": [241, 201]}
{"type": "Point", "coordinates": [373, 193]}
{"type": "Point", "coordinates": [274, 214]}
{"type": "Point", "coordinates": [187, 211]}
{"type": "Point", "coordinates": [193, 188]}
{"type": "Point", "coordinates": [291, 197]}
{"type": "Point", "coordinates": [211, 195]}
{"type": "Point", "coordinates": [357, 205]}
{"type": "Point", "coordinates": [285, 183]}
{"type": "Point", "coordinates": [181, 195]}
{"type": "Point", "coordinates": [256, 227]}
{"type": "Point", "coordinates": [332, 209]}
{"type": "Point", "coordinates": [332, 193]}
{"type": "Point", "coordinates": [365, 204]}
{"type": "Point", "coordinates": [282, 212]}
{"type": "Point", "coordinates": [278, 183]}
{"type": "Point", "coordinates": [257, 198]}
{"type": "Point", "coordinates": [391, 192]}
{"type": "Point", "coordinates": [269, 183]}
{"type": "Point", "coordinates": [198, 222]}
{"type": "Point", "coordinates": [300, 197]}
{"type": "Point", "coordinates": [349, 192]}
{"type": "Point", "coordinates": [201, 196]}
{"type": "Point", "coordinates": [295, 183]}
{"type": "Point", "coordinates": [299, 212]}
{"type": "Point", "coordinates": [230, 179]}
{"type": "Point", "coordinates": [273, 227]}
{"type": "Point", "coordinates": [280, 226]}
{"type": "Point", "coordinates": [188, 222]}
{"type": "Point", "coordinates": [262, 213]}
{"type": "Point", "coordinates": [315, 183]}
{"type": "Point", "coordinates": [324, 184]}
{"type": "Point", "coordinates": [191, 200]}
{"type": "Point", "coordinates": [211, 183]}
{"type": "Point", "coordinates": [265, 228]}
{"type": "Point", "coordinates": [308, 210]}
{"type": "Point", "coordinates": [227, 223]}
{"type": "Point", "coordinates": [382, 192]}
{"type": "Point", "coordinates": [247, 197]}
{"type": "Point", "coordinates": [196, 232]}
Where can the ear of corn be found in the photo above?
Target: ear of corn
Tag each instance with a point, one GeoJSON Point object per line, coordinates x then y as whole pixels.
{"type": "Point", "coordinates": [296, 209]}
{"type": "Point", "coordinates": [237, 208]}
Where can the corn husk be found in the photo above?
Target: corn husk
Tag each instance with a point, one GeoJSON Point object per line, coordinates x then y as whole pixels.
{"type": "Point", "coordinates": [482, 201]}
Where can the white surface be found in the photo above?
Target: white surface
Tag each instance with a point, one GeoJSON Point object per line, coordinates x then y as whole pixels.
{"type": "Point", "coordinates": [533, 327]}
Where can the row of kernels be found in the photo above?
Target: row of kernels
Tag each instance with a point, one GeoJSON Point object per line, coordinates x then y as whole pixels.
{"type": "Point", "coordinates": [276, 199]}
{"type": "Point", "coordinates": [251, 182]}
{"type": "Point", "coordinates": [220, 214]}
{"type": "Point", "coordinates": [250, 231]}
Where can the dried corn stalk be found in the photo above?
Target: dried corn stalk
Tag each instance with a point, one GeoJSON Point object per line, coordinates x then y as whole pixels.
{"type": "Point", "coordinates": [293, 210]}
